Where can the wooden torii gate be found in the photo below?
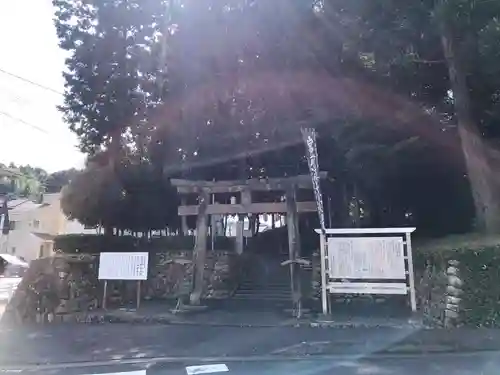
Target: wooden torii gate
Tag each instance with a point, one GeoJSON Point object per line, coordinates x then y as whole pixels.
{"type": "Point", "coordinates": [291, 207]}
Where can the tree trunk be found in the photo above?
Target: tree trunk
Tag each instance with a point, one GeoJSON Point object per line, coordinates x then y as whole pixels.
{"type": "Point", "coordinates": [476, 163]}
{"type": "Point", "coordinates": [355, 208]}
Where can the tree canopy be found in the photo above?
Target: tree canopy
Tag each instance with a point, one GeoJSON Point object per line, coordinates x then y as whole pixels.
{"type": "Point", "coordinates": [22, 181]}
{"type": "Point", "coordinates": [129, 197]}
{"type": "Point", "coordinates": [403, 94]}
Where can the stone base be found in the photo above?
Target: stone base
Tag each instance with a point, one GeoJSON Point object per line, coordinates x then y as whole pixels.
{"type": "Point", "coordinates": [186, 309]}
{"type": "Point", "coordinates": [292, 312]}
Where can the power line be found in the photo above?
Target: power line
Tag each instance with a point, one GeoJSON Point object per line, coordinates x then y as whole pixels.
{"type": "Point", "coordinates": [31, 82]}
{"type": "Point", "coordinates": [23, 122]}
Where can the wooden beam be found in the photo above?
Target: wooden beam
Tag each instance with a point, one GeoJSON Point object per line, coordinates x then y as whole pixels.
{"type": "Point", "coordinates": [233, 186]}
{"type": "Point", "coordinates": [399, 230]}
{"type": "Point", "coordinates": [254, 208]}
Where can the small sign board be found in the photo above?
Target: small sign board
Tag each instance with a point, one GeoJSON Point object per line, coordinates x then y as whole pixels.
{"type": "Point", "coordinates": [123, 266]}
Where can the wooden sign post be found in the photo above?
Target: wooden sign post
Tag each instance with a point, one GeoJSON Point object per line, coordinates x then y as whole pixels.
{"type": "Point", "coordinates": [123, 266]}
{"type": "Point", "coordinates": [376, 261]}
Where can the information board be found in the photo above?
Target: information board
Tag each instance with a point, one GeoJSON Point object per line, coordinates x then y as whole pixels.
{"type": "Point", "coordinates": [123, 266]}
{"type": "Point", "coordinates": [366, 258]}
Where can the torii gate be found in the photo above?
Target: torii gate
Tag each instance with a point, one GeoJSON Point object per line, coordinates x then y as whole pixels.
{"type": "Point", "coordinates": [244, 188]}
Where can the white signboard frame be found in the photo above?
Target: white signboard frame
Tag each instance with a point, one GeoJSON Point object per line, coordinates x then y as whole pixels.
{"type": "Point", "coordinates": [366, 258]}
{"type": "Point", "coordinates": [377, 261]}
{"type": "Point", "coordinates": [123, 266]}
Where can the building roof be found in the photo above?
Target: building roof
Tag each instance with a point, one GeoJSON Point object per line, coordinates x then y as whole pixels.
{"type": "Point", "coordinates": [10, 172]}
{"type": "Point", "coordinates": [44, 236]}
{"type": "Point", "coordinates": [11, 259]}
{"type": "Point", "coordinates": [22, 205]}
{"type": "Point", "coordinates": [25, 205]}
{"type": "Point", "coordinates": [51, 198]}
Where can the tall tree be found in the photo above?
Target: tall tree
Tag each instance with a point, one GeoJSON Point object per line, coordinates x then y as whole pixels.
{"type": "Point", "coordinates": [111, 71]}
{"type": "Point", "coordinates": [433, 51]}
{"type": "Point", "coordinates": [461, 22]}
{"type": "Point", "coordinates": [57, 180]}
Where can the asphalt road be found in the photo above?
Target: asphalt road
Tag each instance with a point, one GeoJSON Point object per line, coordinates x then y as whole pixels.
{"type": "Point", "coordinates": [79, 342]}
{"type": "Point", "coordinates": [168, 349]}
{"type": "Point", "coordinates": [482, 363]}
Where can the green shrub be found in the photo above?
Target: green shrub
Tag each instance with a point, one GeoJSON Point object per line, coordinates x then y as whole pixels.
{"type": "Point", "coordinates": [480, 273]}
{"type": "Point", "coordinates": [94, 244]}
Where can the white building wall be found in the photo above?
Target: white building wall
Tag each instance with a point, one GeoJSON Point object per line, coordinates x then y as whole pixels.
{"type": "Point", "coordinates": [75, 227]}
{"type": "Point", "coordinates": [20, 241]}
{"type": "Point", "coordinates": [45, 219]}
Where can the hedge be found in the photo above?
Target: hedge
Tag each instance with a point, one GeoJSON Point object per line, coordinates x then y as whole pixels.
{"type": "Point", "coordinates": [94, 244]}
{"type": "Point", "coordinates": [479, 258]}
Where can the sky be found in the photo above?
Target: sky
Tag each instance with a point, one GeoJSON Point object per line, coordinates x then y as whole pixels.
{"type": "Point", "coordinates": [32, 130]}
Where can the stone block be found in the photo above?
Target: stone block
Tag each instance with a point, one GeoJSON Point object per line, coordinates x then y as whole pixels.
{"type": "Point", "coordinates": [451, 314]}
{"type": "Point", "coordinates": [453, 291]}
{"type": "Point", "coordinates": [454, 281]}
{"type": "Point", "coordinates": [453, 300]}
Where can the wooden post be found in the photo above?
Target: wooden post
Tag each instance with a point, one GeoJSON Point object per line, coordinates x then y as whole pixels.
{"type": "Point", "coordinates": [246, 202]}
{"type": "Point", "coordinates": [293, 244]}
{"type": "Point", "coordinates": [411, 277]}
{"type": "Point", "coordinates": [104, 294]}
{"type": "Point", "coordinates": [323, 257]}
{"type": "Point", "coordinates": [239, 237]}
{"type": "Point", "coordinates": [200, 249]}
{"type": "Point", "coordinates": [138, 297]}
{"type": "Point", "coordinates": [184, 225]}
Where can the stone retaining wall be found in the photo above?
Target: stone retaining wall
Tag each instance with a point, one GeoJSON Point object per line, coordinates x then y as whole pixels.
{"type": "Point", "coordinates": [56, 288]}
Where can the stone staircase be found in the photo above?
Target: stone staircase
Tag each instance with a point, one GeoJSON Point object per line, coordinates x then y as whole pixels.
{"type": "Point", "coordinates": [266, 282]}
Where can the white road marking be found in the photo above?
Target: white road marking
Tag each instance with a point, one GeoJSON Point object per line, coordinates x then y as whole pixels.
{"type": "Point", "coordinates": [206, 369]}
{"type": "Point", "coordinates": [140, 372]}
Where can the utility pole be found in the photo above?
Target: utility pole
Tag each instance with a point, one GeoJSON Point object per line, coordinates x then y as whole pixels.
{"type": "Point", "coordinates": [4, 223]}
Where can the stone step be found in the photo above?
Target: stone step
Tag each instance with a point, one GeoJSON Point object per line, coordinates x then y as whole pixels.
{"type": "Point", "coordinates": [264, 293]}
{"type": "Point", "coordinates": [261, 298]}
{"type": "Point", "coordinates": [263, 285]}
{"type": "Point", "coordinates": [264, 290]}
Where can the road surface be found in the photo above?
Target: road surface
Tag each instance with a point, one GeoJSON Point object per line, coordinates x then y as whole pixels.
{"type": "Point", "coordinates": [167, 349]}
{"type": "Point", "coordinates": [482, 363]}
